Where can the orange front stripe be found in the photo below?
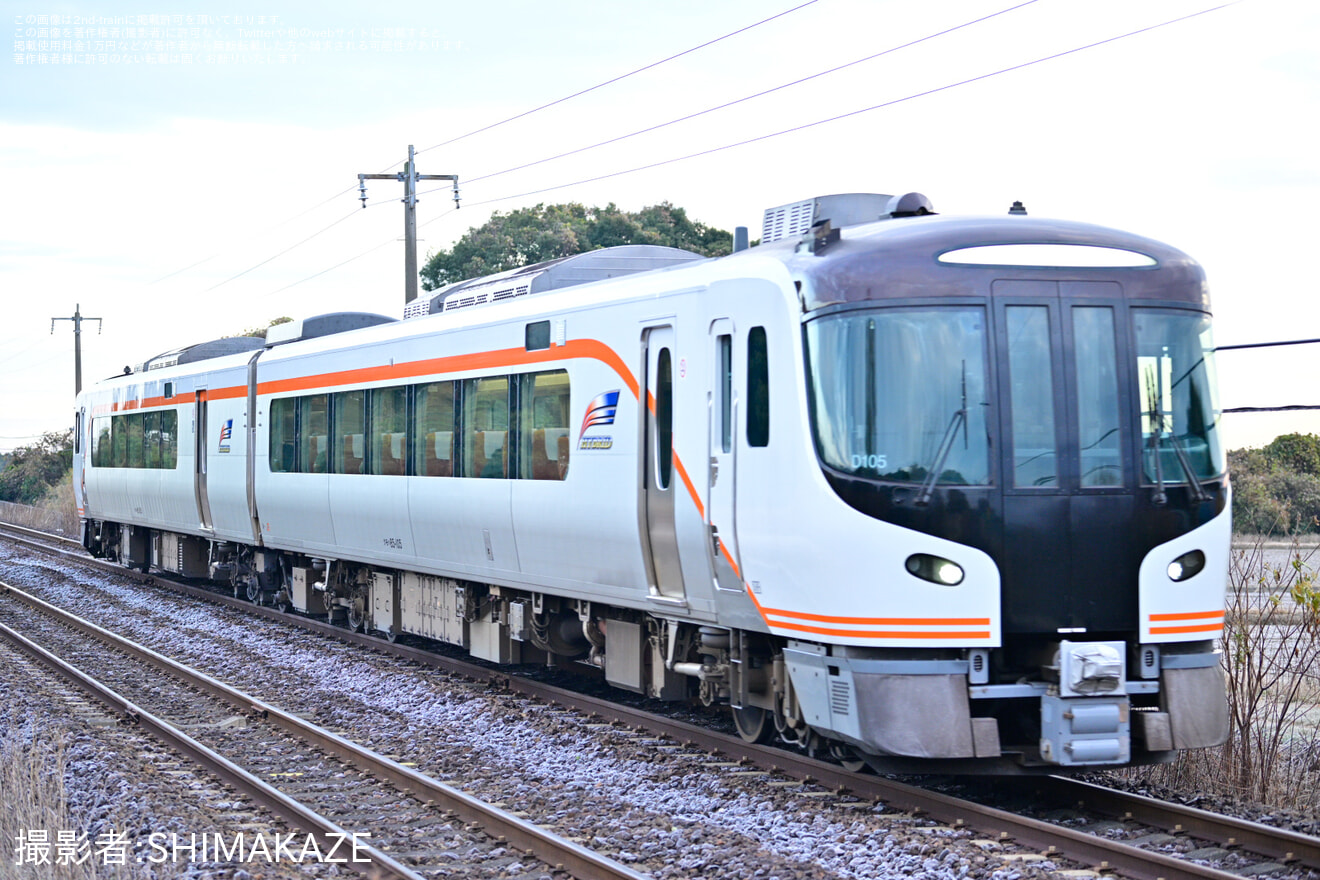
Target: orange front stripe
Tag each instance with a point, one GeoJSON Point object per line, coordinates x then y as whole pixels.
{"type": "Point", "coordinates": [1169, 630]}
{"type": "Point", "coordinates": [1190, 615]}
{"type": "Point", "coordinates": [1199, 622]}
{"type": "Point", "coordinates": [881, 621]}
{"type": "Point", "coordinates": [881, 634]}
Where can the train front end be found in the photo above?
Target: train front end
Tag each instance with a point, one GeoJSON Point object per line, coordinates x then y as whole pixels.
{"type": "Point", "coordinates": [1041, 394]}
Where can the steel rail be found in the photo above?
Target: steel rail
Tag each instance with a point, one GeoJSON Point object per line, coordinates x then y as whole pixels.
{"type": "Point", "coordinates": [1278, 843]}
{"type": "Point", "coordinates": [329, 836]}
{"type": "Point", "coordinates": [554, 850]}
{"type": "Point", "coordinates": [39, 535]}
{"type": "Point", "coordinates": [1048, 838]}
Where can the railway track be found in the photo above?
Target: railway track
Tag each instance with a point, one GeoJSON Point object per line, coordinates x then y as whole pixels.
{"type": "Point", "coordinates": [338, 786]}
{"type": "Point", "coordinates": [1248, 847]}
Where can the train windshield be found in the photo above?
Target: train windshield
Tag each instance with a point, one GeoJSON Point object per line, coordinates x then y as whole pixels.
{"type": "Point", "coordinates": [1179, 410]}
{"type": "Point", "coordinates": [900, 394]}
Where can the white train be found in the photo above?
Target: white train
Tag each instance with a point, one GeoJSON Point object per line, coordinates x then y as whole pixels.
{"type": "Point", "coordinates": [930, 493]}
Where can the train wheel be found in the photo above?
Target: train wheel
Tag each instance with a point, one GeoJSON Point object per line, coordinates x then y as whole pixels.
{"type": "Point", "coordinates": [755, 725]}
{"type": "Point", "coordinates": [847, 757]}
{"type": "Point", "coordinates": [356, 613]}
{"type": "Point", "coordinates": [253, 592]}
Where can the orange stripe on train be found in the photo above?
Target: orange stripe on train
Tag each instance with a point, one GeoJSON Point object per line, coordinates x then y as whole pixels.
{"type": "Point", "coordinates": [882, 634]}
{"type": "Point", "coordinates": [1190, 615]}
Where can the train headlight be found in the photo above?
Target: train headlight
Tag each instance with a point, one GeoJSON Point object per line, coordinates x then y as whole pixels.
{"type": "Point", "coordinates": [935, 569]}
{"type": "Point", "coordinates": [1187, 565]}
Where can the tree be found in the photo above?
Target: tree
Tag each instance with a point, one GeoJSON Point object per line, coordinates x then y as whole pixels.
{"type": "Point", "coordinates": [1299, 453]}
{"type": "Point", "coordinates": [1276, 489]}
{"type": "Point", "coordinates": [32, 469]}
{"type": "Point", "coordinates": [545, 232]}
{"type": "Point", "coordinates": [260, 332]}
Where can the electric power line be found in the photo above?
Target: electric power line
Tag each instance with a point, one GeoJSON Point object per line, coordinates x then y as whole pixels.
{"type": "Point", "coordinates": [841, 116]}
{"type": "Point", "coordinates": [543, 107]}
{"type": "Point", "coordinates": [488, 128]}
{"type": "Point", "coordinates": [1266, 344]}
{"type": "Point", "coordinates": [623, 76]}
{"type": "Point", "coordinates": [361, 255]}
{"type": "Point", "coordinates": [751, 97]}
{"type": "Point", "coordinates": [283, 252]}
{"type": "Point", "coordinates": [802, 127]}
{"type": "Point", "coordinates": [263, 232]}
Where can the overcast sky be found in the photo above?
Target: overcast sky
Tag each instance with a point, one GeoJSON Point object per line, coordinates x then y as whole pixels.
{"type": "Point", "coordinates": [154, 167]}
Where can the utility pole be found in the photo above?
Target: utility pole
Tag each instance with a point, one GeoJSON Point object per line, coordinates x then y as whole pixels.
{"type": "Point", "coordinates": [409, 177]}
{"type": "Point", "coordinates": [77, 320]}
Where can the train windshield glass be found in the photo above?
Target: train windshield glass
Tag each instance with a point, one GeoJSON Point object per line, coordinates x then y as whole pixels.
{"type": "Point", "coordinates": [1179, 410]}
{"type": "Point", "coordinates": [900, 394]}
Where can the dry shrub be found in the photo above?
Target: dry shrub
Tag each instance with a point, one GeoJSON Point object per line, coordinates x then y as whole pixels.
{"type": "Point", "coordinates": [54, 512]}
{"type": "Point", "coordinates": [1271, 660]}
{"type": "Point", "coordinates": [32, 791]}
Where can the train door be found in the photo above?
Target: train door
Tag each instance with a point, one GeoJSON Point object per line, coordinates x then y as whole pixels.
{"type": "Point", "coordinates": [199, 459]}
{"type": "Point", "coordinates": [81, 450]}
{"type": "Point", "coordinates": [721, 484]}
{"type": "Point", "coordinates": [1063, 469]}
{"type": "Point", "coordinates": [659, 476]}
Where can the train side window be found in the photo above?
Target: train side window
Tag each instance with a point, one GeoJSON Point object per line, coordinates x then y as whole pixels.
{"type": "Point", "coordinates": [758, 388]}
{"type": "Point", "coordinates": [135, 452]}
{"type": "Point", "coordinates": [486, 427]}
{"type": "Point", "coordinates": [1096, 365]}
{"type": "Point", "coordinates": [151, 440]}
{"type": "Point", "coordinates": [100, 442]}
{"type": "Point", "coordinates": [536, 337]}
{"type": "Point", "coordinates": [1031, 384]}
{"type": "Point", "coordinates": [388, 455]}
{"type": "Point", "coordinates": [433, 430]}
{"type": "Point", "coordinates": [283, 437]}
{"type": "Point", "coordinates": [119, 442]}
{"type": "Point", "coordinates": [347, 443]}
{"type": "Point", "coordinates": [543, 431]}
{"type": "Point", "coordinates": [169, 439]}
{"type": "Point", "coordinates": [314, 434]}
{"type": "Point", "coordinates": [724, 365]}
{"type": "Point", "coordinates": [664, 416]}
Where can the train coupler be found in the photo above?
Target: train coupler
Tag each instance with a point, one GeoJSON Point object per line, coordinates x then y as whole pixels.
{"type": "Point", "coordinates": [1085, 719]}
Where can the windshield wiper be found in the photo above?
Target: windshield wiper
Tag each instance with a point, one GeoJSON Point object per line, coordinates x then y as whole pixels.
{"type": "Point", "coordinates": [946, 445]}
{"type": "Point", "coordinates": [1193, 483]}
{"type": "Point", "coordinates": [1156, 415]}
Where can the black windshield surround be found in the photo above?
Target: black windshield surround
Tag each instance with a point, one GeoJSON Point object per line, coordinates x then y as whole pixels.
{"type": "Point", "coordinates": [1043, 499]}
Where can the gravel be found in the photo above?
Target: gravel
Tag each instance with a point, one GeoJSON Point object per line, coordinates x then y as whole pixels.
{"type": "Point", "coordinates": [668, 811]}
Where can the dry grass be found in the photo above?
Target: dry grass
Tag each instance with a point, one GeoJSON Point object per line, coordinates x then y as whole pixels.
{"type": "Point", "coordinates": [32, 791]}
{"type": "Point", "coordinates": [1271, 660]}
{"type": "Point", "coordinates": [55, 512]}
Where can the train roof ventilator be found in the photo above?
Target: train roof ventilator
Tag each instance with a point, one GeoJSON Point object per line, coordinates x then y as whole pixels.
{"type": "Point", "coordinates": [799, 219]}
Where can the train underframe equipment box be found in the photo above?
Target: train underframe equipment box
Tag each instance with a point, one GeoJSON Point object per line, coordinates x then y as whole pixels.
{"type": "Point", "coordinates": [1086, 716]}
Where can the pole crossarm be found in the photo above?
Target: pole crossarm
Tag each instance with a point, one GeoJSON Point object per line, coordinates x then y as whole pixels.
{"type": "Point", "coordinates": [77, 319]}
{"type": "Point", "coordinates": [408, 177]}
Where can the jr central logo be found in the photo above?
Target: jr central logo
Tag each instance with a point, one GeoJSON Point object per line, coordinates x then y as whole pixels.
{"type": "Point", "coordinates": [600, 413]}
{"type": "Point", "coordinates": [226, 434]}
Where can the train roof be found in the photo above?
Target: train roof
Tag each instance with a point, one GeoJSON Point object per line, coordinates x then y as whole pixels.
{"type": "Point", "coordinates": [928, 255]}
{"type": "Point", "coordinates": [556, 274]}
